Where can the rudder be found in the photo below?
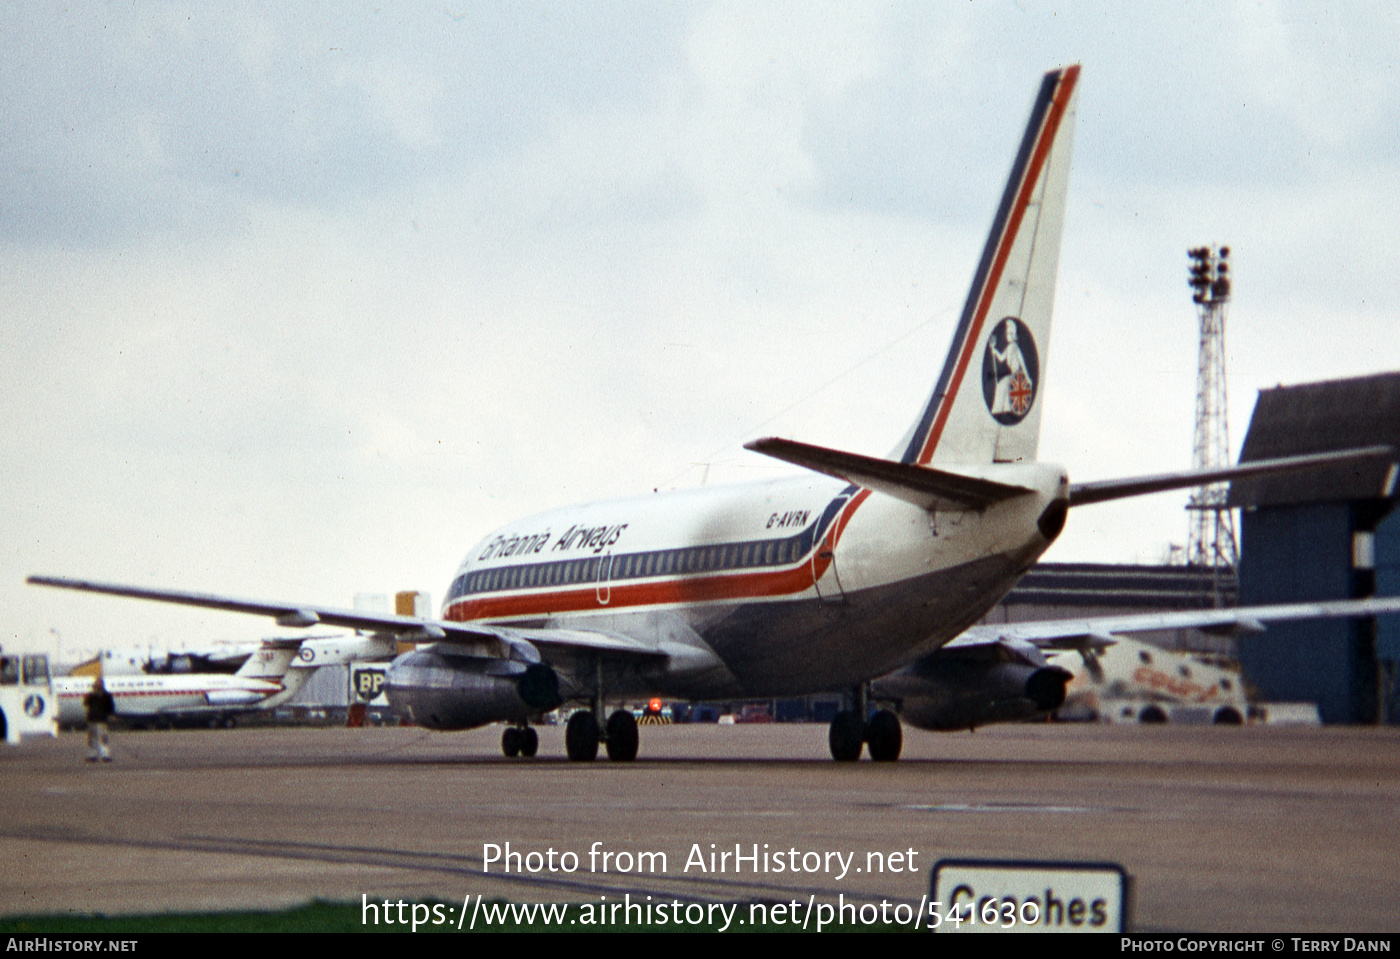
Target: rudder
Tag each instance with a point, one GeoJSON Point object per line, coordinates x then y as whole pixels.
{"type": "Point", "coordinates": [986, 405]}
{"type": "Point", "coordinates": [271, 660]}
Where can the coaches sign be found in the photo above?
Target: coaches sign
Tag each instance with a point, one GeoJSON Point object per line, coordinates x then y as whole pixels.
{"type": "Point", "coordinates": [986, 895]}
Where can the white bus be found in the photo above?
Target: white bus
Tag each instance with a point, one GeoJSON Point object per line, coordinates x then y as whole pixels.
{"type": "Point", "coordinates": [27, 703]}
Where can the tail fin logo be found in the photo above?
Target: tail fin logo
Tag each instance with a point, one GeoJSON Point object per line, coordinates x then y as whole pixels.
{"type": "Point", "coordinates": [1010, 372]}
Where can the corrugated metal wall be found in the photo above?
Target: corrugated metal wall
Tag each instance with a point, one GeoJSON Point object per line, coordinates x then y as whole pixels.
{"type": "Point", "coordinates": [1305, 552]}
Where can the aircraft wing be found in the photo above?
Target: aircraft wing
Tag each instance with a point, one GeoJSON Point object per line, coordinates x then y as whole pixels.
{"type": "Point", "coordinates": [471, 639]}
{"type": "Point", "coordinates": [1099, 631]}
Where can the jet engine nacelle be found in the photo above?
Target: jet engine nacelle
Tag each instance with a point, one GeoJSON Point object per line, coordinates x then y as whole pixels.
{"type": "Point", "coordinates": [446, 691]}
{"type": "Point", "coordinates": [950, 693]}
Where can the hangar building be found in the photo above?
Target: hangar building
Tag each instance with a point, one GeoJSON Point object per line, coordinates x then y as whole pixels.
{"type": "Point", "coordinates": [1324, 534]}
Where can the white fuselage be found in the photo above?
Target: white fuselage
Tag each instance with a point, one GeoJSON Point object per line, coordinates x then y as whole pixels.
{"type": "Point", "coordinates": [784, 587]}
{"type": "Point", "coordinates": [145, 697]}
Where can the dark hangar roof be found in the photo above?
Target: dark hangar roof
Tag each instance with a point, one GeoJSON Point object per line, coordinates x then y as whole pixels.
{"type": "Point", "coordinates": [1316, 418]}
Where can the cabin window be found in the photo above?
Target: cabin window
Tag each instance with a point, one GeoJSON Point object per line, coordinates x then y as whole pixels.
{"type": "Point", "coordinates": [36, 669]}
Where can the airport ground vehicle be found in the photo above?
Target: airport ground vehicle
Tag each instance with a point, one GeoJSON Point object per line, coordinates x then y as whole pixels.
{"type": "Point", "coordinates": [27, 703]}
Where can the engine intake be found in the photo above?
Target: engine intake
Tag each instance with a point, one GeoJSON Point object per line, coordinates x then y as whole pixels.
{"type": "Point", "coordinates": [451, 692]}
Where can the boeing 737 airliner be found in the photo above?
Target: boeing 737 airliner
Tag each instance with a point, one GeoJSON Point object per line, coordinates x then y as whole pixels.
{"type": "Point", "coordinates": [815, 583]}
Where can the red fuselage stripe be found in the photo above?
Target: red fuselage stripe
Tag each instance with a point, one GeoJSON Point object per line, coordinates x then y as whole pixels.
{"type": "Point", "coordinates": [623, 594]}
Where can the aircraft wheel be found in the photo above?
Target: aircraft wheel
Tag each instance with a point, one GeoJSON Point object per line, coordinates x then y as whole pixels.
{"type": "Point", "coordinates": [529, 742]}
{"type": "Point", "coordinates": [847, 736]}
{"type": "Point", "coordinates": [884, 736]}
{"type": "Point", "coordinates": [1228, 716]}
{"type": "Point", "coordinates": [1152, 715]}
{"type": "Point", "coordinates": [622, 736]}
{"type": "Point", "coordinates": [581, 737]}
{"type": "Point", "coordinates": [510, 742]}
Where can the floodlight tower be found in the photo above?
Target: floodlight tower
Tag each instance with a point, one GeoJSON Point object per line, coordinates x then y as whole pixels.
{"type": "Point", "coordinates": [1212, 540]}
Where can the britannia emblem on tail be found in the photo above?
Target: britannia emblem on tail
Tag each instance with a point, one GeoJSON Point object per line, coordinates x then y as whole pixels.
{"type": "Point", "coordinates": [1010, 372]}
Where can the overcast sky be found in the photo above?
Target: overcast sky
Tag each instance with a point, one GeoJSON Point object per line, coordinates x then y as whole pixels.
{"type": "Point", "coordinates": [301, 301]}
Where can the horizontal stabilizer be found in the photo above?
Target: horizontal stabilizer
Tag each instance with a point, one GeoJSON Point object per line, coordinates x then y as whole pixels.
{"type": "Point", "coordinates": [1082, 494]}
{"type": "Point", "coordinates": [1095, 632]}
{"type": "Point", "coordinates": [921, 485]}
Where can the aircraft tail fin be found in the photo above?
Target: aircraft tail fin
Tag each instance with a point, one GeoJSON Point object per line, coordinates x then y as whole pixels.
{"type": "Point", "coordinates": [311, 654]}
{"type": "Point", "coordinates": [271, 660]}
{"type": "Point", "coordinates": [986, 404]}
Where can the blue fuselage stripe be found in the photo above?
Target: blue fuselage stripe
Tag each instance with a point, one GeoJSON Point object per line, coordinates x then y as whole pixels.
{"type": "Point", "coordinates": [686, 560]}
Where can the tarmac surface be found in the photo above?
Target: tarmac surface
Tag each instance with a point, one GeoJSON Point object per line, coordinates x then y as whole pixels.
{"type": "Point", "coordinates": [1222, 829]}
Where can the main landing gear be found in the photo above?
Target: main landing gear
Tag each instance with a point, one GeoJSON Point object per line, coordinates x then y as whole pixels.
{"type": "Point", "coordinates": [850, 732]}
{"type": "Point", "coordinates": [582, 736]}
{"type": "Point", "coordinates": [882, 734]}
{"type": "Point", "coordinates": [585, 730]}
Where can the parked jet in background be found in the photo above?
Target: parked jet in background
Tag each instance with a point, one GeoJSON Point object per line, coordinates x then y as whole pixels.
{"type": "Point", "coordinates": [267, 679]}
{"type": "Point", "coordinates": [223, 658]}
{"type": "Point", "coordinates": [791, 586]}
